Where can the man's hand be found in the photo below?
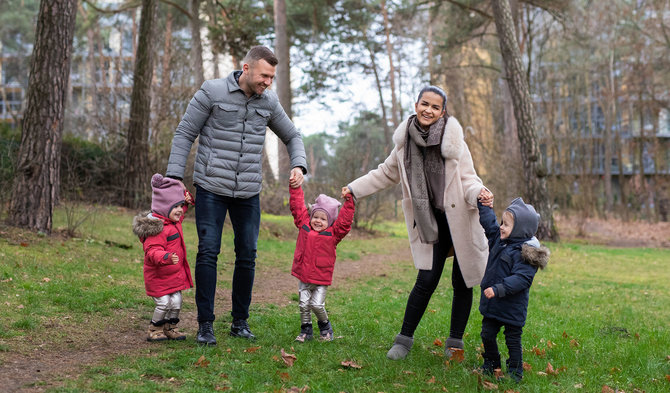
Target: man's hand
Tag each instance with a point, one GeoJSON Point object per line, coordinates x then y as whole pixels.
{"type": "Point", "coordinates": [296, 178]}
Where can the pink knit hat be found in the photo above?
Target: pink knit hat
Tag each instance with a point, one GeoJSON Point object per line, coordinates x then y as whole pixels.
{"type": "Point", "coordinates": [166, 194]}
{"type": "Point", "coordinates": [327, 204]}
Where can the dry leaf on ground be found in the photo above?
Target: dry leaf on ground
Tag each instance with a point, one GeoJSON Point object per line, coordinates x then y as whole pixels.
{"type": "Point", "coordinates": [252, 349]}
{"type": "Point", "coordinates": [456, 354]}
{"type": "Point", "coordinates": [431, 380]}
{"type": "Point", "coordinates": [350, 364]}
{"type": "Point", "coordinates": [607, 389]}
{"type": "Point", "coordinates": [437, 342]}
{"type": "Point", "coordinates": [202, 362]}
{"type": "Point", "coordinates": [486, 384]}
{"type": "Point", "coordinates": [288, 358]}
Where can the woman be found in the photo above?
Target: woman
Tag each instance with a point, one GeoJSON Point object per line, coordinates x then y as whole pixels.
{"type": "Point", "coordinates": [440, 187]}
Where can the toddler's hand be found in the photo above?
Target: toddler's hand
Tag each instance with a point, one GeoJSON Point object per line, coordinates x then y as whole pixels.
{"type": "Point", "coordinates": [488, 292]}
{"type": "Point", "coordinates": [296, 178]}
{"type": "Point", "coordinates": [174, 258]}
{"type": "Point", "coordinates": [188, 198]}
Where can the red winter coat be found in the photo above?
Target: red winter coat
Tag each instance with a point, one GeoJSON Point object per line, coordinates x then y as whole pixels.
{"type": "Point", "coordinates": [161, 238]}
{"type": "Point", "coordinates": [314, 258]}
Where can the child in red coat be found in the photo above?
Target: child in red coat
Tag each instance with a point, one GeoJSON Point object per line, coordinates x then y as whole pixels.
{"type": "Point", "coordinates": [166, 271]}
{"type": "Point", "coordinates": [314, 260]}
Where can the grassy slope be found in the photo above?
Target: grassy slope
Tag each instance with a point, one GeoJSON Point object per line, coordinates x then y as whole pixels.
{"type": "Point", "coordinates": [599, 315]}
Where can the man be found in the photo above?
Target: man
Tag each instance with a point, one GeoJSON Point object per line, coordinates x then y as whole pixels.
{"type": "Point", "coordinates": [230, 116]}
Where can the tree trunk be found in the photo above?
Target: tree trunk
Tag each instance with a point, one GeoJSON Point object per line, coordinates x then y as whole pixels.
{"type": "Point", "coordinates": [387, 131]}
{"type": "Point", "coordinates": [283, 80]}
{"type": "Point", "coordinates": [137, 150]}
{"type": "Point", "coordinates": [37, 178]}
{"type": "Point", "coordinates": [389, 50]}
{"type": "Point", "coordinates": [196, 44]}
{"type": "Point", "coordinates": [534, 171]}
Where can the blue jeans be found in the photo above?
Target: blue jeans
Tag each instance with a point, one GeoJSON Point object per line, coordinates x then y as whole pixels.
{"type": "Point", "coordinates": [245, 216]}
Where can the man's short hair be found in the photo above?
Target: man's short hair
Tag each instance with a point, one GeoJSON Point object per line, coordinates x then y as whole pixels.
{"type": "Point", "coordinates": [260, 52]}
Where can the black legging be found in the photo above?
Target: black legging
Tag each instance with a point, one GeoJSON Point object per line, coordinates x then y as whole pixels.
{"type": "Point", "coordinates": [426, 282]}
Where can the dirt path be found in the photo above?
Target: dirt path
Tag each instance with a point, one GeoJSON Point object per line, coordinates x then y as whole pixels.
{"type": "Point", "coordinates": [54, 360]}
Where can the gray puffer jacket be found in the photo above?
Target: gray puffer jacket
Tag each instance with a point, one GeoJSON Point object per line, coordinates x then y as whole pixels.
{"type": "Point", "coordinates": [231, 128]}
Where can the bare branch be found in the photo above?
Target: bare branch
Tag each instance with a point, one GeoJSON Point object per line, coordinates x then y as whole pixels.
{"type": "Point", "coordinates": [131, 4]}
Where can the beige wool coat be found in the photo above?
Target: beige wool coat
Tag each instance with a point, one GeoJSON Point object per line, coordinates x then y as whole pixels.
{"type": "Point", "coordinates": [462, 186]}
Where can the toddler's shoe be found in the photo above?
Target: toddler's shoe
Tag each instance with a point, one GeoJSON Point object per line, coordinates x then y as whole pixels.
{"type": "Point", "coordinates": [155, 332]}
{"type": "Point", "coordinates": [306, 333]}
{"type": "Point", "coordinates": [326, 331]}
{"type": "Point", "coordinates": [170, 330]}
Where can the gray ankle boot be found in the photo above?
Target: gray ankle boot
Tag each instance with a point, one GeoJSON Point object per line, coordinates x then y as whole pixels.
{"type": "Point", "coordinates": [400, 348]}
{"type": "Point", "coordinates": [452, 343]}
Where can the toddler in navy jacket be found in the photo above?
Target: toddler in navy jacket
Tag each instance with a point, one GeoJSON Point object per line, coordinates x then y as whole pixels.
{"type": "Point", "coordinates": [515, 254]}
{"type": "Point", "coordinates": [320, 231]}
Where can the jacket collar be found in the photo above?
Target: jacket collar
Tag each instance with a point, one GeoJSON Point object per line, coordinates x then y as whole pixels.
{"type": "Point", "coordinates": [452, 141]}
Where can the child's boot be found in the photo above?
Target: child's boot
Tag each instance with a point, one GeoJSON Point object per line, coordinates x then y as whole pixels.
{"type": "Point", "coordinates": [306, 333]}
{"type": "Point", "coordinates": [156, 331]}
{"type": "Point", "coordinates": [326, 331]}
{"type": "Point", "coordinates": [451, 346]}
{"type": "Point", "coordinates": [171, 332]}
{"type": "Point", "coordinates": [400, 348]}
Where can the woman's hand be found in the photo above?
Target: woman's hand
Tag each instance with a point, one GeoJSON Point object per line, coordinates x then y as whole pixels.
{"type": "Point", "coordinates": [485, 197]}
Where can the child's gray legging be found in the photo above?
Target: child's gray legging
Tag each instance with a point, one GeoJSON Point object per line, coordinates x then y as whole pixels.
{"type": "Point", "coordinates": [312, 298]}
{"type": "Point", "coordinates": [167, 307]}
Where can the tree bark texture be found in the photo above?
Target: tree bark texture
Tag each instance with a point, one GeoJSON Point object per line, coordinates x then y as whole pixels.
{"type": "Point", "coordinates": [137, 149]}
{"type": "Point", "coordinates": [283, 78]}
{"type": "Point", "coordinates": [389, 49]}
{"type": "Point", "coordinates": [196, 44]}
{"type": "Point", "coordinates": [534, 171]}
{"type": "Point", "coordinates": [37, 177]}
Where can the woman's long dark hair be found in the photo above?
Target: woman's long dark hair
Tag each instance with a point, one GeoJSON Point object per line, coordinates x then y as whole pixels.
{"type": "Point", "coordinates": [439, 92]}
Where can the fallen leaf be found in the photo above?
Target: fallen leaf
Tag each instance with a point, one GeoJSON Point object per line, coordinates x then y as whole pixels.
{"type": "Point", "coordinates": [574, 343]}
{"type": "Point", "coordinates": [607, 389]}
{"type": "Point", "coordinates": [541, 373]}
{"type": "Point", "coordinates": [578, 386]}
{"type": "Point", "coordinates": [202, 362]}
{"type": "Point", "coordinates": [46, 279]}
{"type": "Point", "coordinates": [667, 377]}
{"type": "Point", "coordinates": [666, 358]}
{"type": "Point", "coordinates": [497, 373]}
{"type": "Point", "coordinates": [20, 306]}
{"type": "Point", "coordinates": [438, 342]}
{"type": "Point", "coordinates": [222, 388]}
{"type": "Point", "coordinates": [456, 354]}
{"type": "Point", "coordinates": [550, 370]}
{"type": "Point", "coordinates": [615, 370]}
{"type": "Point", "coordinates": [431, 380]}
{"type": "Point", "coordinates": [288, 358]}
{"type": "Point", "coordinates": [224, 376]}
{"type": "Point", "coordinates": [350, 364]}
{"type": "Point", "coordinates": [408, 372]}
{"type": "Point", "coordinates": [565, 335]}
{"type": "Point", "coordinates": [539, 352]}
{"type": "Point", "coordinates": [284, 376]}
{"type": "Point", "coordinates": [527, 366]}
{"type": "Point", "coordinates": [252, 349]}
{"type": "Point", "coordinates": [295, 389]}
{"type": "Point", "coordinates": [486, 384]}
{"type": "Point", "coordinates": [550, 344]}
{"type": "Point", "coordinates": [23, 244]}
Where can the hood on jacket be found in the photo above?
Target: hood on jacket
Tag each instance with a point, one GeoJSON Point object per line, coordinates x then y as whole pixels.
{"type": "Point", "coordinates": [537, 256]}
{"type": "Point", "coordinates": [526, 219]}
{"type": "Point", "coordinates": [145, 225]}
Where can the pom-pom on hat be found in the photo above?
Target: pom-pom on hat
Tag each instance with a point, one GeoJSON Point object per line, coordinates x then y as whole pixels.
{"type": "Point", "coordinates": [327, 204]}
{"type": "Point", "coordinates": [166, 194]}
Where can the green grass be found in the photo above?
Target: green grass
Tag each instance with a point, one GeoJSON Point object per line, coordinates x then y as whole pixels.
{"type": "Point", "coordinates": [599, 315]}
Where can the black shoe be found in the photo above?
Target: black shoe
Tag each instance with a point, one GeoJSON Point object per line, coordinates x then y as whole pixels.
{"type": "Point", "coordinates": [205, 333]}
{"type": "Point", "coordinates": [240, 328]}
